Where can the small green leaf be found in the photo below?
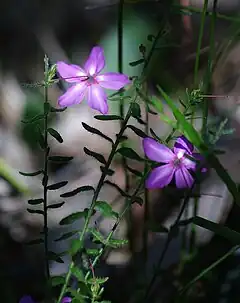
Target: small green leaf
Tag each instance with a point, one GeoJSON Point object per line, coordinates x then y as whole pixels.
{"type": "Point", "coordinates": [77, 191]}
{"type": "Point", "coordinates": [95, 155]}
{"type": "Point", "coordinates": [115, 243]}
{"type": "Point", "coordinates": [108, 117]}
{"type": "Point", "coordinates": [73, 217]}
{"type": "Point", "coordinates": [54, 257]}
{"type": "Point", "coordinates": [66, 235]}
{"type": "Point", "coordinates": [96, 132]}
{"type": "Point", "coordinates": [57, 280]}
{"type": "Point", "coordinates": [35, 211]}
{"type": "Point", "coordinates": [138, 62]}
{"type": "Point", "coordinates": [59, 159]}
{"type": "Point", "coordinates": [57, 185]}
{"type": "Point", "coordinates": [105, 209]}
{"type": "Point", "coordinates": [56, 205]}
{"type": "Point", "coordinates": [136, 110]}
{"type": "Point", "coordinates": [35, 201]}
{"type": "Point", "coordinates": [98, 280]}
{"type": "Point", "coordinates": [137, 131]}
{"type": "Point", "coordinates": [34, 119]}
{"type": "Point", "coordinates": [75, 246]}
{"type": "Point", "coordinates": [77, 272]}
{"type": "Point", "coordinates": [55, 135]}
{"type": "Point", "coordinates": [109, 171]}
{"type": "Point", "coordinates": [97, 235]}
{"type": "Point", "coordinates": [92, 252]}
{"type": "Point", "coordinates": [36, 173]}
{"type": "Point", "coordinates": [129, 153]}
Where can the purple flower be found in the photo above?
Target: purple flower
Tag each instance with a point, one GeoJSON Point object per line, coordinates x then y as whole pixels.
{"type": "Point", "coordinates": [89, 82]}
{"type": "Point", "coordinates": [28, 299]}
{"type": "Point", "coordinates": [176, 164]}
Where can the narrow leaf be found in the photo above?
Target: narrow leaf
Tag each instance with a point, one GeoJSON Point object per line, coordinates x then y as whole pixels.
{"type": "Point", "coordinates": [117, 188]}
{"type": "Point", "coordinates": [75, 246]}
{"type": "Point", "coordinates": [98, 280]}
{"type": "Point", "coordinates": [77, 191]}
{"type": "Point", "coordinates": [66, 236]}
{"type": "Point", "coordinates": [56, 205]}
{"type": "Point", "coordinates": [59, 159]}
{"type": "Point", "coordinates": [109, 171]}
{"type": "Point", "coordinates": [114, 243]}
{"type": "Point", "coordinates": [35, 211]}
{"type": "Point", "coordinates": [138, 62]}
{"type": "Point", "coordinates": [57, 185]}
{"type": "Point", "coordinates": [108, 117]}
{"type": "Point", "coordinates": [138, 131]}
{"type": "Point", "coordinates": [54, 257]}
{"type": "Point", "coordinates": [35, 201]}
{"type": "Point", "coordinates": [73, 217]}
{"type": "Point", "coordinates": [136, 110]}
{"type": "Point", "coordinates": [134, 171]}
{"type": "Point", "coordinates": [55, 135]}
{"type": "Point", "coordinates": [95, 155]}
{"type": "Point", "coordinates": [57, 110]}
{"type": "Point", "coordinates": [129, 153]}
{"type": "Point", "coordinates": [97, 235]}
{"type": "Point", "coordinates": [36, 173]}
{"type": "Point", "coordinates": [57, 280]}
{"type": "Point", "coordinates": [34, 119]}
{"type": "Point", "coordinates": [96, 132]}
{"type": "Point", "coordinates": [106, 209]}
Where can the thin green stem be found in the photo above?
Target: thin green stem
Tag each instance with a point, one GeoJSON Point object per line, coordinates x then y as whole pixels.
{"type": "Point", "coordinates": [45, 171]}
{"type": "Point", "coordinates": [209, 268]}
{"type": "Point", "coordinates": [95, 197]}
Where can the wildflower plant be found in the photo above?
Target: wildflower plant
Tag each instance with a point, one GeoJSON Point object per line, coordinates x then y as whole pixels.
{"type": "Point", "coordinates": [180, 164]}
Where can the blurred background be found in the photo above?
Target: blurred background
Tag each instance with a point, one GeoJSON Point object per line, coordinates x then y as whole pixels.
{"type": "Point", "coordinates": [66, 31]}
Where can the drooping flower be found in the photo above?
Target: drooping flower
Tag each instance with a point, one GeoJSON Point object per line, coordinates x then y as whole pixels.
{"type": "Point", "coordinates": [176, 164]}
{"type": "Point", "coordinates": [29, 299]}
{"type": "Point", "coordinates": [89, 82]}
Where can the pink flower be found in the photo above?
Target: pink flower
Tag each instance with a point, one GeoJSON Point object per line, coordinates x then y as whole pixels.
{"type": "Point", "coordinates": [176, 164]}
{"type": "Point", "coordinates": [89, 82]}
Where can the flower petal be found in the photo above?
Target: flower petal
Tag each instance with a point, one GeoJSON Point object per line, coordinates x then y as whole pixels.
{"type": "Point", "coordinates": [183, 144]}
{"type": "Point", "coordinates": [183, 178]}
{"type": "Point", "coordinates": [66, 300]}
{"type": "Point", "coordinates": [188, 163]}
{"type": "Point", "coordinates": [113, 81]}
{"type": "Point", "coordinates": [156, 151]}
{"type": "Point", "coordinates": [97, 99]}
{"type": "Point", "coordinates": [160, 176]}
{"type": "Point", "coordinates": [26, 299]}
{"type": "Point", "coordinates": [73, 95]}
{"type": "Point", "coordinates": [70, 72]}
{"type": "Point", "coordinates": [95, 62]}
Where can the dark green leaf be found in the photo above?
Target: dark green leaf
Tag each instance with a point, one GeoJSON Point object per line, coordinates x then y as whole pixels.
{"type": "Point", "coordinates": [77, 191]}
{"type": "Point", "coordinates": [36, 173]}
{"type": "Point", "coordinates": [123, 138]}
{"type": "Point", "coordinates": [57, 110]}
{"type": "Point", "coordinates": [95, 155]}
{"type": "Point", "coordinates": [73, 217]}
{"type": "Point", "coordinates": [218, 229]}
{"type": "Point", "coordinates": [40, 138]}
{"type": "Point", "coordinates": [75, 246]}
{"type": "Point", "coordinates": [60, 159]}
{"type": "Point", "coordinates": [96, 132]}
{"type": "Point", "coordinates": [35, 211]}
{"type": "Point", "coordinates": [34, 119]}
{"type": "Point", "coordinates": [57, 185]}
{"type": "Point", "coordinates": [66, 235]}
{"type": "Point", "coordinates": [57, 280]}
{"type": "Point", "coordinates": [136, 110]}
{"type": "Point", "coordinates": [35, 201]}
{"type": "Point", "coordinates": [105, 209]}
{"type": "Point", "coordinates": [54, 257]}
{"type": "Point", "coordinates": [56, 205]}
{"type": "Point", "coordinates": [108, 117]}
{"type": "Point", "coordinates": [138, 62]}
{"type": "Point", "coordinates": [138, 131]}
{"type": "Point", "coordinates": [109, 172]}
{"type": "Point", "coordinates": [97, 235]}
{"type": "Point", "coordinates": [55, 135]}
{"type": "Point", "coordinates": [46, 108]}
{"type": "Point", "coordinates": [129, 153]}
{"type": "Point", "coordinates": [137, 200]}
{"type": "Point", "coordinates": [134, 171]}
{"type": "Point", "coordinates": [117, 188]}
{"type": "Point", "coordinates": [77, 272]}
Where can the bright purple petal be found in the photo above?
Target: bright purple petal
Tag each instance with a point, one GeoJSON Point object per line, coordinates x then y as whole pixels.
{"type": "Point", "coordinates": [183, 178]}
{"type": "Point", "coordinates": [97, 99]}
{"type": "Point", "coordinates": [70, 73]}
{"type": "Point", "coordinates": [183, 144]}
{"type": "Point", "coordinates": [160, 176]}
{"type": "Point", "coordinates": [95, 62]}
{"type": "Point", "coordinates": [26, 299]}
{"type": "Point", "coordinates": [66, 300]}
{"type": "Point", "coordinates": [156, 151]}
{"type": "Point", "coordinates": [74, 95]}
{"type": "Point", "coordinates": [188, 163]}
{"type": "Point", "coordinates": [114, 81]}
